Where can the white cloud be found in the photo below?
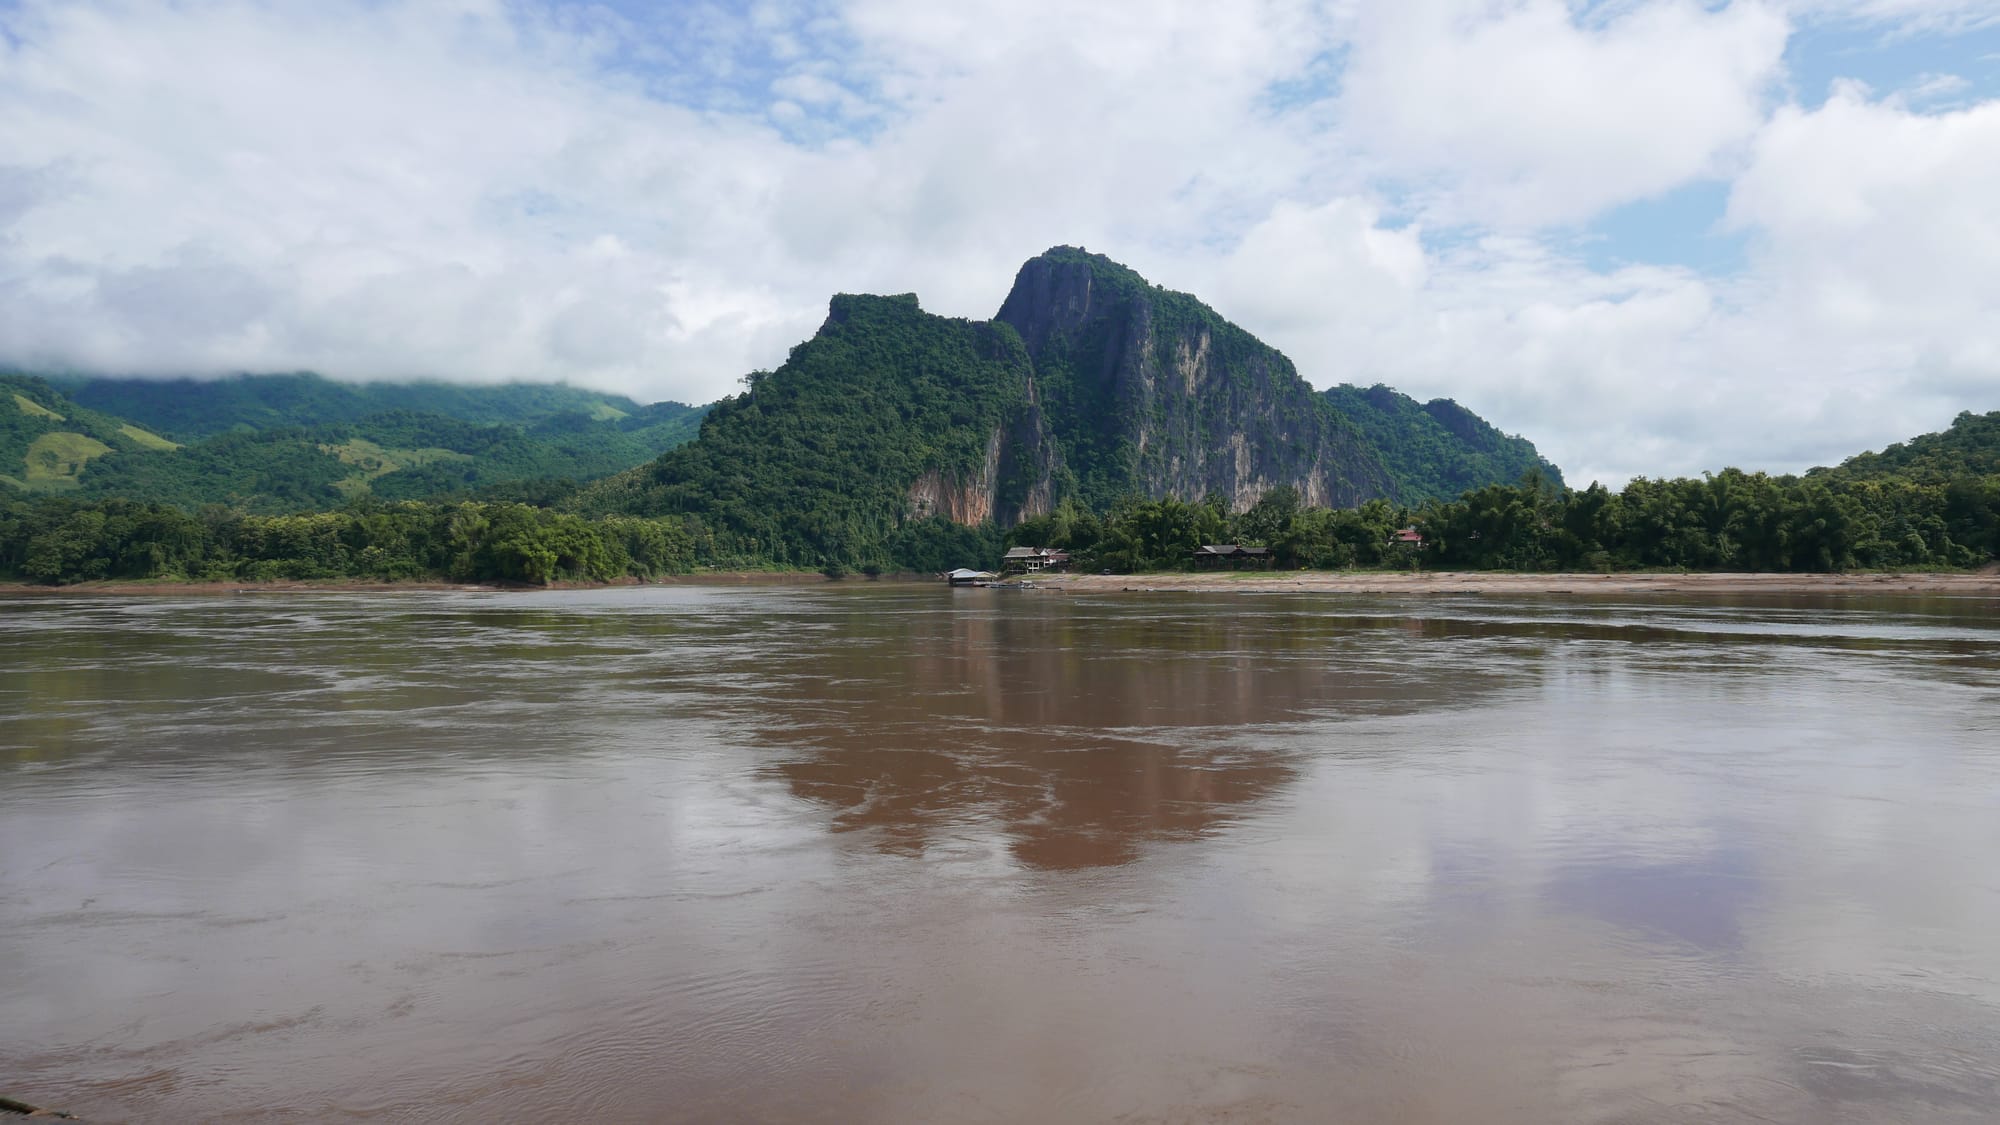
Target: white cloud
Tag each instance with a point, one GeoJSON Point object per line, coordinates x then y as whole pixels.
{"type": "Point", "coordinates": [1531, 340]}
{"type": "Point", "coordinates": [487, 191]}
{"type": "Point", "coordinates": [1527, 116]}
{"type": "Point", "coordinates": [1865, 315]}
{"type": "Point", "coordinates": [1931, 89]}
{"type": "Point", "coordinates": [416, 192]}
{"type": "Point", "coordinates": [1876, 229]}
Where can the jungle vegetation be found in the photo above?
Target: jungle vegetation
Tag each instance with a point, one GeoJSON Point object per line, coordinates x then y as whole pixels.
{"type": "Point", "coordinates": [61, 540]}
{"type": "Point", "coordinates": [1732, 520]}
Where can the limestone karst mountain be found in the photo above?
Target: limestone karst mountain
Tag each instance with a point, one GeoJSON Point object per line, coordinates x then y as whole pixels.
{"type": "Point", "coordinates": [1091, 384]}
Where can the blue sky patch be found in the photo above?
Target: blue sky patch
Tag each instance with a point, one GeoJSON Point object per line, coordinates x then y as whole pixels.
{"type": "Point", "coordinates": [1681, 228]}
{"type": "Point", "coordinates": [1819, 57]}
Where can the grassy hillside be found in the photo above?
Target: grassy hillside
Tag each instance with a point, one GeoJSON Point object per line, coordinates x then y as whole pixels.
{"type": "Point", "coordinates": [47, 442]}
{"type": "Point", "coordinates": [1439, 449]}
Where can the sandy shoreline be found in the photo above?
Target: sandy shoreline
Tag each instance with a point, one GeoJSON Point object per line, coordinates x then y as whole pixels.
{"type": "Point", "coordinates": [369, 586]}
{"type": "Point", "coordinates": [1984, 583]}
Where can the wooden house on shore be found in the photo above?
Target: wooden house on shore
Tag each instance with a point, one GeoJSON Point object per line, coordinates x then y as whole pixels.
{"type": "Point", "coordinates": [1033, 560]}
{"type": "Point", "coordinates": [1215, 556]}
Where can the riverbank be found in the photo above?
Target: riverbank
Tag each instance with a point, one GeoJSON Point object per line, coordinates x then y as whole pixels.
{"type": "Point", "coordinates": [232, 586]}
{"type": "Point", "coordinates": [1983, 583]}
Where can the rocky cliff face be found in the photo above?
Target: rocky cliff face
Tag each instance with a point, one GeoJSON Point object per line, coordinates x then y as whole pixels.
{"type": "Point", "coordinates": [1153, 393]}
{"type": "Point", "coordinates": [1017, 478]}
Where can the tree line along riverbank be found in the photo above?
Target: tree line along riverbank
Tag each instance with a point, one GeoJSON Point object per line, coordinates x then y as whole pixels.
{"type": "Point", "coordinates": [1729, 521]}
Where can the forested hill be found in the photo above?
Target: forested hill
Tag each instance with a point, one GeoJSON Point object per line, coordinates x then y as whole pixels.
{"type": "Point", "coordinates": [1970, 448]}
{"type": "Point", "coordinates": [1437, 449]}
{"type": "Point", "coordinates": [186, 409]}
{"type": "Point", "coordinates": [47, 440]}
{"type": "Point", "coordinates": [569, 432]}
{"type": "Point", "coordinates": [890, 423]}
{"type": "Point", "coordinates": [1091, 387]}
{"type": "Point", "coordinates": [304, 448]}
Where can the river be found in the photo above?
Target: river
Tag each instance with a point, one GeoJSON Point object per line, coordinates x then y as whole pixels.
{"type": "Point", "coordinates": [865, 852]}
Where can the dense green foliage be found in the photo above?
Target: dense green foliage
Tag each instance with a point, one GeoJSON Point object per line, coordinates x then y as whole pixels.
{"type": "Point", "coordinates": [1163, 534]}
{"type": "Point", "coordinates": [315, 464]}
{"type": "Point", "coordinates": [62, 540]}
{"type": "Point", "coordinates": [1970, 448]}
{"type": "Point", "coordinates": [275, 471]}
{"type": "Point", "coordinates": [1439, 449]}
{"type": "Point", "coordinates": [811, 465]}
{"type": "Point", "coordinates": [1724, 521]}
{"type": "Point", "coordinates": [1931, 502]}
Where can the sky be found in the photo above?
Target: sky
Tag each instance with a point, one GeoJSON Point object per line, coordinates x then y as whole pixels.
{"type": "Point", "coordinates": [1656, 237]}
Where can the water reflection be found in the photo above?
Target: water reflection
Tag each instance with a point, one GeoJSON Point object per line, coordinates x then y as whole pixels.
{"type": "Point", "coordinates": [1079, 731]}
{"type": "Point", "coordinates": [1698, 900]}
{"type": "Point", "coordinates": [896, 854]}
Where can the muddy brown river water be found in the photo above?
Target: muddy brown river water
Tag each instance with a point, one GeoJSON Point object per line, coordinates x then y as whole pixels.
{"type": "Point", "coordinates": [875, 853]}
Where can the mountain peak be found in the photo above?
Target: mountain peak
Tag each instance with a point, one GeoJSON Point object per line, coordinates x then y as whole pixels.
{"type": "Point", "coordinates": [845, 307]}
{"type": "Point", "coordinates": [1063, 288]}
